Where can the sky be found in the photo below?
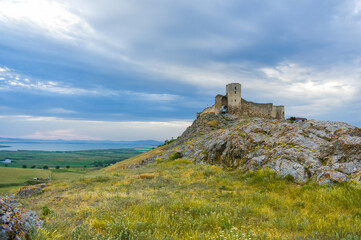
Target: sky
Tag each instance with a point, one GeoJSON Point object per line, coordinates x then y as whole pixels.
{"type": "Point", "coordinates": [131, 70]}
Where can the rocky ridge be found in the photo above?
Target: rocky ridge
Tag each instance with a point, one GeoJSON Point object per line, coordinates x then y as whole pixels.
{"type": "Point", "coordinates": [322, 151]}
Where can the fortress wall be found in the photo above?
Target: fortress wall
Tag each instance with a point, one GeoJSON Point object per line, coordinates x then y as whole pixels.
{"type": "Point", "coordinates": [238, 106]}
{"type": "Point", "coordinates": [218, 101]}
{"type": "Point", "coordinates": [251, 109]}
{"type": "Point", "coordinates": [278, 112]}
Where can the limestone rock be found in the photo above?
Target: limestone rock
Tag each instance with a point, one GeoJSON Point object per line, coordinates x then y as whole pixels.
{"type": "Point", "coordinates": [16, 222]}
{"type": "Point", "coordinates": [29, 191]}
{"type": "Point", "coordinates": [323, 151]}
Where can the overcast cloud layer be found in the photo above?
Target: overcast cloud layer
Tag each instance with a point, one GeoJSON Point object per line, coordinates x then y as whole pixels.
{"type": "Point", "coordinates": [126, 70]}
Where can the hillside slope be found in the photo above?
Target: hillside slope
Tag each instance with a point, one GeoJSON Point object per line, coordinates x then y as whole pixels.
{"type": "Point", "coordinates": [179, 199]}
{"type": "Point", "coordinates": [323, 151]}
{"type": "Point", "coordinates": [157, 195]}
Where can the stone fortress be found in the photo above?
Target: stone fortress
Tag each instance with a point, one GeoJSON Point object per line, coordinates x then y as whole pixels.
{"type": "Point", "coordinates": [233, 103]}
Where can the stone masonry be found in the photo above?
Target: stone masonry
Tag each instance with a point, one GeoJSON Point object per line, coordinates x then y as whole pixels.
{"type": "Point", "coordinates": [235, 104]}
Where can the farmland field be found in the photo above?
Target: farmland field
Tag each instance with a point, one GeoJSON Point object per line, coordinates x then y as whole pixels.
{"type": "Point", "coordinates": [11, 179]}
{"type": "Point", "coordinates": [26, 165]}
{"type": "Point", "coordinates": [73, 159]}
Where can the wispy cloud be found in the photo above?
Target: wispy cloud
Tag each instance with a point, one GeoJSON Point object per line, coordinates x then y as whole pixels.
{"type": "Point", "coordinates": [64, 134]}
{"type": "Point", "coordinates": [61, 110]}
{"type": "Point", "coordinates": [71, 129]}
{"type": "Point", "coordinates": [153, 97]}
{"type": "Point", "coordinates": [13, 81]}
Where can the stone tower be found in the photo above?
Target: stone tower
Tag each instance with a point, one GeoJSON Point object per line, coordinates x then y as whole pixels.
{"type": "Point", "coordinates": [234, 97]}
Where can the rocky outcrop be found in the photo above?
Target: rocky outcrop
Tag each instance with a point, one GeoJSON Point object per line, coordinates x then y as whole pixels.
{"type": "Point", "coordinates": [323, 151]}
{"type": "Point", "coordinates": [16, 222]}
{"type": "Point", "coordinates": [29, 191]}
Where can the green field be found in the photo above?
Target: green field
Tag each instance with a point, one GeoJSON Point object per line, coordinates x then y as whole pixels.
{"type": "Point", "coordinates": [11, 179]}
{"type": "Point", "coordinates": [14, 175]}
{"type": "Point", "coordinates": [73, 159]}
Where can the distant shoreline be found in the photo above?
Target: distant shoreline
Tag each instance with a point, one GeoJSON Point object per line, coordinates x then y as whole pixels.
{"type": "Point", "coordinates": [51, 147]}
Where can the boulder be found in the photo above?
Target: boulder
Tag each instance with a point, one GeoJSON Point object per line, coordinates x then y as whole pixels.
{"type": "Point", "coordinates": [16, 222]}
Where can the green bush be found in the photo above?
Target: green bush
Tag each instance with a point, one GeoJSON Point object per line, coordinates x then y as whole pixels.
{"type": "Point", "coordinates": [158, 160]}
{"type": "Point", "coordinates": [57, 167]}
{"type": "Point", "coordinates": [174, 155]}
{"type": "Point", "coordinates": [45, 167]}
{"type": "Point", "coordinates": [24, 166]}
{"type": "Point", "coordinates": [46, 210]}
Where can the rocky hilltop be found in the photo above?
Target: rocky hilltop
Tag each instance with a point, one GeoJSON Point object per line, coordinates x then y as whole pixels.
{"type": "Point", "coordinates": [322, 151]}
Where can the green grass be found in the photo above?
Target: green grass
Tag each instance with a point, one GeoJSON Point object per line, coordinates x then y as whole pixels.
{"type": "Point", "coordinates": [74, 159]}
{"type": "Point", "coordinates": [181, 200]}
{"type": "Point", "coordinates": [11, 179]}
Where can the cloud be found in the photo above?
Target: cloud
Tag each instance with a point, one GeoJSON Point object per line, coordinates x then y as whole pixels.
{"type": "Point", "coordinates": [313, 91]}
{"type": "Point", "coordinates": [13, 81]}
{"type": "Point", "coordinates": [153, 97]}
{"type": "Point", "coordinates": [72, 129]}
{"type": "Point", "coordinates": [167, 59]}
{"type": "Point", "coordinates": [65, 134]}
{"type": "Point", "coordinates": [61, 110]}
{"type": "Point", "coordinates": [54, 17]}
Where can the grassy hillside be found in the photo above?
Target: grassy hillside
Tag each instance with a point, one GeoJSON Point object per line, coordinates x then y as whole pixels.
{"type": "Point", "coordinates": [182, 200]}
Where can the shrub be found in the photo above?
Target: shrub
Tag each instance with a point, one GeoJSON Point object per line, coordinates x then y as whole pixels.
{"type": "Point", "coordinates": [32, 166]}
{"type": "Point", "coordinates": [290, 178]}
{"type": "Point", "coordinates": [57, 167]}
{"type": "Point", "coordinates": [158, 160]}
{"type": "Point", "coordinates": [174, 155]}
{"type": "Point", "coordinates": [67, 166]}
{"type": "Point", "coordinates": [24, 166]}
{"type": "Point", "coordinates": [46, 210]}
{"type": "Point", "coordinates": [166, 142]}
{"type": "Point", "coordinates": [45, 167]}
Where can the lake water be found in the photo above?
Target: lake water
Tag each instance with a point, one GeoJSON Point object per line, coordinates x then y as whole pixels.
{"type": "Point", "coordinates": [63, 146]}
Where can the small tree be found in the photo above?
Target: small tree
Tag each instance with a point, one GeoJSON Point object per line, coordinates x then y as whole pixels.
{"type": "Point", "coordinates": [6, 165]}
{"type": "Point", "coordinates": [67, 166]}
{"type": "Point", "coordinates": [57, 167]}
{"type": "Point", "coordinates": [293, 119]}
{"type": "Point", "coordinates": [24, 166]}
{"type": "Point", "coordinates": [32, 166]}
{"type": "Point", "coordinates": [45, 167]}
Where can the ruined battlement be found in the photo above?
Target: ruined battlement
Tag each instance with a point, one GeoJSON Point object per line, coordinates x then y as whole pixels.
{"type": "Point", "coordinates": [235, 104]}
